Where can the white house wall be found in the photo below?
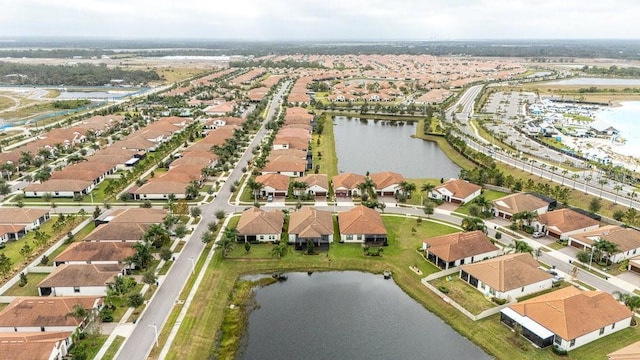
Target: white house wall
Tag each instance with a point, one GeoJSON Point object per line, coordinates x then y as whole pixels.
{"type": "Point", "coordinates": [595, 335]}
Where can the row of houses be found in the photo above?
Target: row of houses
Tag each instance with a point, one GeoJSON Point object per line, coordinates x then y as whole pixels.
{"type": "Point", "coordinates": [80, 178]}
{"type": "Point", "coordinates": [16, 222]}
{"type": "Point", "coordinates": [88, 267]}
{"type": "Point", "coordinates": [358, 225]}
{"type": "Point", "coordinates": [35, 328]}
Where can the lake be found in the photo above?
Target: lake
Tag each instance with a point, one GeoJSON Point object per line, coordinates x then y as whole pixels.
{"type": "Point", "coordinates": [347, 315]}
{"type": "Point", "coordinates": [596, 81]}
{"type": "Point", "coordinates": [374, 146]}
{"type": "Point", "coordinates": [625, 119]}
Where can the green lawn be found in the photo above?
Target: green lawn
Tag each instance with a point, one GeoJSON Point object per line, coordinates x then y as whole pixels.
{"type": "Point", "coordinates": [329, 161]}
{"type": "Point", "coordinates": [464, 294]}
{"type": "Point", "coordinates": [31, 289]}
{"type": "Point", "coordinates": [113, 348]}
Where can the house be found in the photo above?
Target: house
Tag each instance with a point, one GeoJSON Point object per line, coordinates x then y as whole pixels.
{"type": "Point", "coordinates": [567, 318]}
{"type": "Point", "coordinates": [456, 191]}
{"type": "Point", "coordinates": [87, 279]}
{"type": "Point", "coordinates": [120, 232]}
{"type": "Point", "coordinates": [35, 345]}
{"type": "Point", "coordinates": [506, 206]}
{"type": "Point", "coordinates": [257, 225]}
{"type": "Point", "coordinates": [451, 250]}
{"type": "Point", "coordinates": [37, 314]}
{"type": "Point", "coordinates": [346, 184]}
{"type": "Point", "coordinates": [362, 225]}
{"type": "Point", "coordinates": [220, 109]}
{"type": "Point", "coordinates": [125, 225]}
{"type": "Point", "coordinates": [288, 165]}
{"type": "Point", "coordinates": [507, 277]}
{"type": "Point", "coordinates": [387, 182]}
{"type": "Point", "coordinates": [79, 253]}
{"type": "Point", "coordinates": [16, 222]}
{"type": "Point", "coordinates": [563, 223]}
{"type": "Point", "coordinates": [273, 184]}
{"type": "Point", "coordinates": [317, 184]}
{"type": "Point", "coordinates": [627, 239]}
{"type": "Point", "coordinates": [310, 224]}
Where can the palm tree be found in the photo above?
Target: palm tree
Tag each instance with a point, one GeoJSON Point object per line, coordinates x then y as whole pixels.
{"type": "Point", "coordinates": [473, 223]}
{"type": "Point", "coordinates": [605, 249]}
{"type": "Point", "coordinates": [79, 313]}
{"type": "Point", "coordinates": [407, 188]}
{"type": "Point", "coordinates": [587, 180]}
{"type": "Point", "coordinates": [602, 183]}
{"type": "Point", "coordinates": [299, 187]}
{"type": "Point", "coordinates": [575, 177]}
{"type": "Point", "coordinates": [157, 235]}
{"type": "Point", "coordinates": [367, 187]}
{"type": "Point", "coordinates": [632, 195]}
{"type": "Point", "coordinates": [521, 246]}
{"type": "Point", "coordinates": [617, 188]}
{"type": "Point", "coordinates": [427, 188]}
{"type": "Point", "coordinates": [542, 167]}
{"type": "Point", "coordinates": [142, 258]}
{"type": "Point", "coordinates": [192, 191]}
{"type": "Point", "coordinates": [564, 175]}
{"type": "Point", "coordinates": [631, 301]}
{"type": "Point", "coordinates": [553, 169]}
{"type": "Point", "coordinates": [255, 187]}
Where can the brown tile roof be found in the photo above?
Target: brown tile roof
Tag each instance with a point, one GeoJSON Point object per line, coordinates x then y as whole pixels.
{"type": "Point", "coordinates": [320, 180]}
{"type": "Point", "coordinates": [137, 215]}
{"type": "Point", "coordinates": [117, 232]}
{"type": "Point", "coordinates": [276, 181]}
{"type": "Point", "coordinates": [519, 202]}
{"type": "Point", "coordinates": [96, 251]}
{"type": "Point", "coordinates": [256, 221]}
{"type": "Point", "coordinates": [361, 220]}
{"type": "Point", "coordinates": [54, 185]}
{"type": "Point", "coordinates": [508, 272]}
{"type": "Point", "coordinates": [459, 188]}
{"type": "Point", "coordinates": [565, 220]}
{"type": "Point", "coordinates": [30, 346]}
{"type": "Point", "coordinates": [461, 245]}
{"type": "Point", "coordinates": [626, 238]}
{"type": "Point", "coordinates": [285, 163]}
{"type": "Point", "coordinates": [81, 275]}
{"type": "Point", "coordinates": [571, 313]}
{"type": "Point", "coordinates": [45, 311]}
{"type": "Point", "coordinates": [311, 223]}
{"type": "Point", "coordinates": [631, 352]}
{"type": "Point", "coordinates": [386, 179]}
{"type": "Point", "coordinates": [13, 216]}
{"type": "Point", "coordinates": [301, 154]}
{"type": "Point", "coordinates": [347, 181]}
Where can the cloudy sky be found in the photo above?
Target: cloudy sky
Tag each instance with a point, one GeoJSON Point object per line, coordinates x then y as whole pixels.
{"type": "Point", "coordinates": [323, 19]}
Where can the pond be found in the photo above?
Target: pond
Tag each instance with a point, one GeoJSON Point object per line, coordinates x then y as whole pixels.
{"type": "Point", "coordinates": [376, 145]}
{"type": "Point", "coordinates": [347, 315]}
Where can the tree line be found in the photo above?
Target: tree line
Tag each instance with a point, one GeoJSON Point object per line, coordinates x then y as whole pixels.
{"type": "Point", "coordinates": [78, 75]}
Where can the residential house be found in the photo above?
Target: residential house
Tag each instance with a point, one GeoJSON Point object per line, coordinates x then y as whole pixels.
{"type": "Point", "coordinates": [317, 184]}
{"type": "Point", "coordinates": [507, 277]}
{"type": "Point", "coordinates": [456, 191]}
{"type": "Point", "coordinates": [563, 223]}
{"type": "Point", "coordinates": [222, 109]}
{"type": "Point", "coordinates": [507, 206]}
{"type": "Point", "coordinates": [38, 314]}
{"type": "Point", "coordinates": [291, 166]}
{"type": "Point", "coordinates": [627, 240]}
{"type": "Point", "coordinates": [16, 222]}
{"type": "Point", "coordinates": [257, 225]}
{"type": "Point", "coordinates": [87, 279]}
{"type": "Point", "coordinates": [387, 182]}
{"type": "Point", "coordinates": [451, 250]}
{"type": "Point", "coordinates": [310, 224]}
{"type": "Point", "coordinates": [346, 184]}
{"type": "Point", "coordinates": [35, 346]}
{"type": "Point", "coordinates": [85, 252]}
{"type": "Point", "coordinates": [567, 318]}
{"type": "Point", "coordinates": [362, 225]}
{"type": "Point", "coordinates": [273, 185]}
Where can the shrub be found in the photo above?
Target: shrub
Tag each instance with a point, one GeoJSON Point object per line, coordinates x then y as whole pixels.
{"type": "Point", "coordinates": [559, 351]}
{"type": "Point", "coordinates": [106, 315]}
{"type": "Point", "coordinates": [44, 261]}
{"type": "Point", "coordinates": [499, 301]}
{"type": "Point", "coordinates": [443, 289]}
{"type": "Point", "coordinates": [23, 280]}
{"type": "Point", "coordinates": [498, 235]}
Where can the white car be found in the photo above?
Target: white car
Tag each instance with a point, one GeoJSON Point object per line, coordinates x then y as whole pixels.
{"type": "Point", "coordinates": [537, 234]}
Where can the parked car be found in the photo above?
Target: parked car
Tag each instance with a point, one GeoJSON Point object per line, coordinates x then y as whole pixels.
{"type": "Point", "coordinates": [557, 278]}
{"type": "Point", "coordinates": [537, 234]}
{"type": "Point", "coordinates": [270, 198]}
{"type": "Point", "coordinates": [552, 272]}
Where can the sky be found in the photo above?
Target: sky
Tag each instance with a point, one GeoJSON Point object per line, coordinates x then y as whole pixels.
{"type": "Point", "coordinates": [322, 19]}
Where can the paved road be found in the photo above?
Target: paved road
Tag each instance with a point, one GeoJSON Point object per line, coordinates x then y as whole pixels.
{"type": "Point", "coordinates": [140, 342]}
